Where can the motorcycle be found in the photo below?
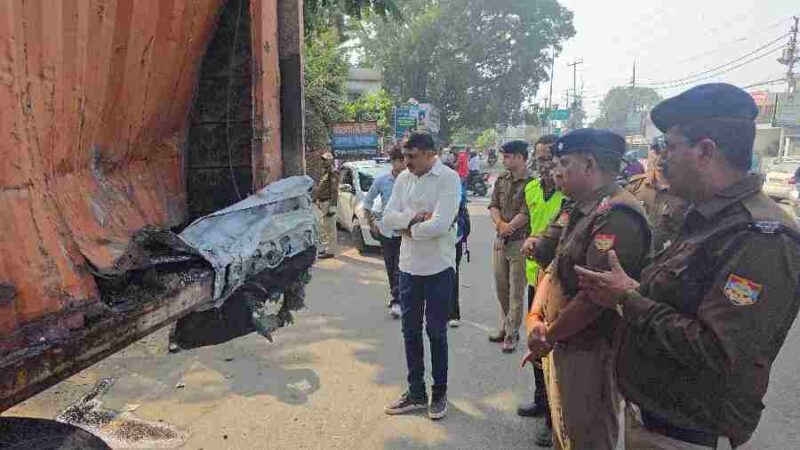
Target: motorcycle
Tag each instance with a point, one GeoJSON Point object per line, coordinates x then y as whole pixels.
{"type": "Point", "coordinates": [477, 182]}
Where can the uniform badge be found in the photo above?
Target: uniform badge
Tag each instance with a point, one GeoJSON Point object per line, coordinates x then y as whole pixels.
{"type": "Point", "coordinates": [741, 291]}
{"type": "Point", "coordinates": [563, 219]}
{"type": "Point", "coordinates": [604, 242]}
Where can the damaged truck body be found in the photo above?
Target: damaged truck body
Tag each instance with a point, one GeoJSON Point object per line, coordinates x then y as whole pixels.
{"type": "Point", "coordinates": [151, 166]}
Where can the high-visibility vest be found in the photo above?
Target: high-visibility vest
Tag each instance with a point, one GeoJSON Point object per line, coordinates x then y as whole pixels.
{"type": "Point", "coordinates": [542, 212]}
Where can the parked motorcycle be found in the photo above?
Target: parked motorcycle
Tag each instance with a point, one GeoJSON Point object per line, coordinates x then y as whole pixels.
{"type": "Point", "coordinates": [477, 182]}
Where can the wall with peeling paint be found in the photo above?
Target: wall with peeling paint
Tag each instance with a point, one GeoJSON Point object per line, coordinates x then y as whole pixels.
{"type": "Point", "coordinates": [95, 99]}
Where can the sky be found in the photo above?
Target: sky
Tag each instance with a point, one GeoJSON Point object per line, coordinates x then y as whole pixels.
{"type": "Point", "coordinates": [670, 41]}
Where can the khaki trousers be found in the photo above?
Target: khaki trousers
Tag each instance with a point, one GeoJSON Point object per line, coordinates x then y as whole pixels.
{"type": "Point", "coordinates": [584, 401]}
{"type": "Point", "coordinates": [327, 228]}
{"type": "Point", "coordinates": [511, 285]}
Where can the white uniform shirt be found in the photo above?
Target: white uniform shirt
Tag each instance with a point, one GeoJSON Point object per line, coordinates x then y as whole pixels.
{"type": "Point", "coordinates": [431, 248]}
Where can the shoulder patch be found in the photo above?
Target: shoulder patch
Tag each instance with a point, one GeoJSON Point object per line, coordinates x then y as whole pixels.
{"type": "Point", "coordinates": [604, 242]}
{"type": "Point", "coordinates": [563, 219]}
{"type": "Point", "coordinates": [741, 291]}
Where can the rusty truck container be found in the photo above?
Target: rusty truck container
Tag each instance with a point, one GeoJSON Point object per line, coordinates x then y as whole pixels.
{"type": "Point", "coordinates": [120, 116]}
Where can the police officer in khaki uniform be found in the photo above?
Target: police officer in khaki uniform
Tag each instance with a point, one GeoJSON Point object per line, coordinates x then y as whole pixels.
{"type": "Point", "coordinates": [509, 214]}
{"type": "Point", "coordinates": [664, 210]}
{"type": "Point", "coordinates": [584, 402]}
{"type": "Point", "coordinates": [712, 311]}
{"type": "Point", "coordinates": [326, 198]}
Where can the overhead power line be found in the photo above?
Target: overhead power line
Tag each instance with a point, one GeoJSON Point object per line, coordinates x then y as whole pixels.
{"type": "Point", "coordinates": [720, 66]}
{"type": "Point", "coordinates": [716, 74]}
{"type": "Point", "coordinates": [765, 83]}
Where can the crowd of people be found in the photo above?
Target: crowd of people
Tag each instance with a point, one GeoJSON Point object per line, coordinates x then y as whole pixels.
{"type": "Point", "coordinates": [653, 301]}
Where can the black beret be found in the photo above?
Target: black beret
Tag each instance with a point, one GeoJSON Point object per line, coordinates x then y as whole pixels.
{"type": "Point", "coordinates": [590, 140]}
{"type": "Point", "coordinates": [704, 102]}
{"type": "Point", "coordinates": [515, 147]}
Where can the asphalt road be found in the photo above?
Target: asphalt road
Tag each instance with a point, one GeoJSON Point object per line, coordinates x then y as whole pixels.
{"type": "Point", "coordinates": [324, 382]}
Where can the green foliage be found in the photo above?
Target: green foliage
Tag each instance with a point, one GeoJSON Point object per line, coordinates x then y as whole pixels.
{"type": "Point", "coordinates": [478, 61]}
{"type": "Point", "coordinates": [325, 92]}
{"type": "Point", "coordinates": [321, 14]}
{"type": "Point", "coordinates": [489, 138]}
{"type": "Point", "coordinates": [619, 101]}
{"type": "Point", "coordinates": [577, 116]}
{"type": "Point", "coordinates": [373, 107]}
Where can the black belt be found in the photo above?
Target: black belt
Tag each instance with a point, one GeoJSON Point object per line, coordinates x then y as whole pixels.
{"type": "Point", "coordinates": [698, 437]}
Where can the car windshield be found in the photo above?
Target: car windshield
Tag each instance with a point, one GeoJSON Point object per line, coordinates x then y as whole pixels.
{"type": "Point", "coordinates": [368, 174]}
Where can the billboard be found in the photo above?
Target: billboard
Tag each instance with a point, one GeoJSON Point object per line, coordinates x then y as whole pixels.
{"type": "Point", "coordinates": [787, 110]}
{"type": "Point", "coordinates": [428, 117]}
{"type": "Point", "coordinates": [351, 139]}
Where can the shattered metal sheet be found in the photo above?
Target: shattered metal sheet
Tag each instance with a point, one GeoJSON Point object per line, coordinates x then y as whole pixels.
{"type": "Point", "coordinates": [255, 234]}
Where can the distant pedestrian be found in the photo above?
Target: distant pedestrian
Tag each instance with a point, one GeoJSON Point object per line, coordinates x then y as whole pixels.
{"type": "Point", "coordinates": [703, 328]}
{"type": "Point", "coordinates": [509, 214]}
{"type": "Point", "coordinates": [463, 229]}
{"type": "Point", "coordinates": [462, 165]}
{"type": "Point", "coordinates": [390, 241]}
{"type": "Point", "coordinates": [422, 209]}
{"type": "Point", "coordinates": [326, 200]}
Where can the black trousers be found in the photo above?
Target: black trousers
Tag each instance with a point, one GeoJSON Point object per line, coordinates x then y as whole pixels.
{"type": "Point", "coordinates": [454, 312]}
{"type": "Point", "coordinates": [391, 258]}
{"type": "Point", "coordinates": [540, 392]}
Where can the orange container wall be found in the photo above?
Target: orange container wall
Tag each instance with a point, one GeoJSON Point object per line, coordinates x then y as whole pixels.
{"type": "Point", "coordinates": [94, 97]}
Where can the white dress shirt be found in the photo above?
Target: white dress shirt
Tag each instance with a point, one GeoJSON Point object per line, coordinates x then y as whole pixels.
{"type": "Point", "coordinates": [475, 163]}
{"type": "Point", "coordinates": [431, 248]}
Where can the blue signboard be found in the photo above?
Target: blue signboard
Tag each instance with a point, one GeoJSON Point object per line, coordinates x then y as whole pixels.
{"type": "Point", "coordinates": [355, 138]}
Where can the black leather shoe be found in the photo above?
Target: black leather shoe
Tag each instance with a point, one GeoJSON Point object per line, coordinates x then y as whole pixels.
{"type": "Point", "coordinates": [532, 409]}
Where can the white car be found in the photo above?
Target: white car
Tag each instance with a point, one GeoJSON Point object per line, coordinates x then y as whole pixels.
{"type": "Point", "coordinates": [356, 179]}
{"type": "Point", "coordinates": [780, 181]}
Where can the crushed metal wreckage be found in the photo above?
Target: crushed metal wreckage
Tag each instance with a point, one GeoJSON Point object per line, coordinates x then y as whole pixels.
{"type": "Point", "coordinates": [237, 271]}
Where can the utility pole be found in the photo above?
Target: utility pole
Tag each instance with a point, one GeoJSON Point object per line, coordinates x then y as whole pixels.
{"type": "Point", "coordinates": [550, 96]}
{"type": "Point", "coordinates": [790, 56]}
{"type": "Point", "coordinates": [574, 66]}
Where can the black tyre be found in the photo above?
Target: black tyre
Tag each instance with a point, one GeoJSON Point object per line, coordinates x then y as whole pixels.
{"type": "Point", "coordinates": [23, 433]}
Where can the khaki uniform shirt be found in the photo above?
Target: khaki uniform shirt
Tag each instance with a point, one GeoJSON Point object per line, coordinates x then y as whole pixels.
{"type": "Point", "coordinates": [509, 198]}
{"type": "Point", "coordinates": [328, 188]}
{"type": "Point", "coordinates": [664, 210]}
{"type": "Point", "coordinates": [711, 314]}
{"type": "Point", "coordinates": [612, 219]}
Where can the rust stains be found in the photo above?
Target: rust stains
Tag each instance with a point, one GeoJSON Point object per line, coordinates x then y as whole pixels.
{"type": "Point", "coordinates": [95, 96]}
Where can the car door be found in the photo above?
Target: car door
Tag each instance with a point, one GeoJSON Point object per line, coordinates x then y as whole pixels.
{"type": "Point", "coordinates": [347, 188]}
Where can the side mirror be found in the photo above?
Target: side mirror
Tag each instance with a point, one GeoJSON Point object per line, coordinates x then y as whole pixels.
{"type": "Point", "coordinates": [346, 188]}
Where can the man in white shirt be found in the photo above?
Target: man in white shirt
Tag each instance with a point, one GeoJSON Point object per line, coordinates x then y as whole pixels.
{"type": "Point", "coordinates": [422, 209]}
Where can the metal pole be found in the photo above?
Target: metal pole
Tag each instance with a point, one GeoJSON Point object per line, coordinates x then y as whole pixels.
{"type": "Point", "coordinates": [290, 59]}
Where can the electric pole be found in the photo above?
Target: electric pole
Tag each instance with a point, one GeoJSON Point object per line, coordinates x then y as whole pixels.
{"type": "Point", "coordinates": [790, 56]}
{"type": "Point", "coordinates": [550, 97]}
{"type": "Point", "coordinates": [574, 66]}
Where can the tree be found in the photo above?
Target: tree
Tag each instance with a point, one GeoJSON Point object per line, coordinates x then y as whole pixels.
{"type": "Point", "coordinates": [325, 77]}
{"type": "Point", "coordinates": [376, 107]}
{"type": "Point", "coordinates": [487, 139]}
{"type": "Point", "coordinates": [621, 100]}
{"type": "Point", "coordinates": [478, 61]}
{"type": "Point", "coordinates": [577, 116]}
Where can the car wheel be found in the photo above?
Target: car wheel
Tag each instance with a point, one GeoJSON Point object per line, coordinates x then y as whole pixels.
{"type": "Point", "coordinates": [358, 236]}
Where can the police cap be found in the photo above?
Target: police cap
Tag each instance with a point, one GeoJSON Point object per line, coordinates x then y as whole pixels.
{"type": "Point", "coordinates": [515, 148]}
{"type": "Point", "coordinates": [590, 140]}
{"type": "Point", "coordinates": [713, 100]}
